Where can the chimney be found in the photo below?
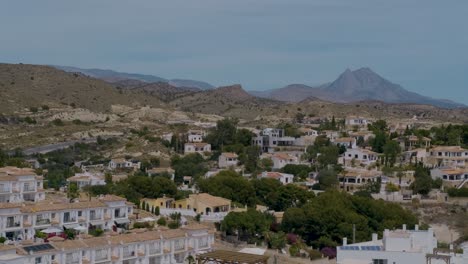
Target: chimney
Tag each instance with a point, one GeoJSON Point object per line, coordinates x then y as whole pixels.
{"type": "Point", "coordinates": [345, 241]}
{"type": "Point", "coordinates": [374, 237]}
{"type": "Point", "coordinates": [416, 227]}
{"type": "Point", "coordinates": [404, 227]}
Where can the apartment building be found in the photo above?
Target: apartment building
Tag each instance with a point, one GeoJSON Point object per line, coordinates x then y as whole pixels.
{"type": "Point", "coordinates": [20, 185]}
{"type": "Point", "coordinates": [87, 179]}
{"type": "Point", "coordinates": [399, 246]}
{"type": "Point", "coordinates": [227, 159]}
{"type": "Point", "coordinates": [20, 221]}
{"type": "Point", "coordinates": [451, 177]}
{"type": "Point", "coordinates": [352, 180]}
{"type": "Point", "coordinates": [140, 246]}
{"type": "Point", "coordinates": [195, 136]}
{"type": "Point", "coordinates": [271, 138]}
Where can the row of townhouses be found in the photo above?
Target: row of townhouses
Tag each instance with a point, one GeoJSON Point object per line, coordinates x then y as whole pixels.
{"type": "Point", "coordinates": [21, 221]}
{"type": "Point", "coordinates": [139, 246]}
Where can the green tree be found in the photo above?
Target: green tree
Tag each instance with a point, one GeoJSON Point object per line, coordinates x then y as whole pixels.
{"type": "Point", "coordinates": [108, 178]}
{"type": "Point", "coordinates": [328, 179]}
{"type": "Point", "coordinates": [391, 151]}
{"type": "Point", "coordinates": [246, 225]}
{"type": "Point", "coordinates": [73, 192]}
{"type": "Point", "coordinates": [422, 181]}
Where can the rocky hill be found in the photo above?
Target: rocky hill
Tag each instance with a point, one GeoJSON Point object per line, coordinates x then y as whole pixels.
{"type": "Point", "coordinates": [353, 86]}
{"type": "Point", "coordinates": [23, 86]}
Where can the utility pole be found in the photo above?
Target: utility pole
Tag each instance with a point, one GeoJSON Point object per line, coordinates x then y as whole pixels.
{"type": "Point", "coordinates": [354, 233]}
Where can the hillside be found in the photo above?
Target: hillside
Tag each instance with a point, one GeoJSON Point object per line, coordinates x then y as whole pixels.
{"type": "Point", "coordinates": [23, 86]}
{"type": "Point", "coordinates": [354, 86]}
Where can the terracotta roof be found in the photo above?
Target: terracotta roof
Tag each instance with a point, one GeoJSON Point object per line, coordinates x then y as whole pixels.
{"type": "Point", "coordinates": [345, 140]}
{"type": "Point", "coordinates": [51, 206]}
{"type": "Point", "coordinates": [449, 148]}
{"type": "Point", "coordinates": [284, 156]}
{"type": "Point", "coordinates": [197, 144]}
{"type": "Point", "coordinates": [210, 200]}
{"type": "Point", "coordinates": [229, 155]}
{"type": "Point", "coordinates": [273, 175]}
{"type": "Point", "coordinates": [10, 205]}
{"type": "Point", "coordinates": [111, 198]}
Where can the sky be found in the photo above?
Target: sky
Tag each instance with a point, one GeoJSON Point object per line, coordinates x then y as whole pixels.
{"type": "Point", "coordinates": [261, 44]}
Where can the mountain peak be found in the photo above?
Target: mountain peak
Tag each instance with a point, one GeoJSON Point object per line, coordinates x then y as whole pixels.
{"type": "Point", "coordinates": [234, 91]}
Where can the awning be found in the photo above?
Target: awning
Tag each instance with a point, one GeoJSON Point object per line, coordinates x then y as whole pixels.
{"type": "Point", "coordinates": [96, 223]}
{"type": "Point", "coordinates": [122, 221]}
{"type": "Point", "coordinates": [51, 230]}
{"type": "Point", "coordinates": [71, 226]}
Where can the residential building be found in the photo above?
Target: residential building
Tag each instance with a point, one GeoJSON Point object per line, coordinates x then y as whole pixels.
{"type": "Point", "coordinates": [202, 203]}
{"type": "Point", "coordinates": [308, 131]}
{"type": "Point", "coordinates": [281, 159]}
{"type": "Point", "coordinates": [162, 246]}
{"type": "Point", "coordinates": [415, 155]}
{"type": "Point", "coordinates": [119, 164]}
{"type": "Point", "coordinates": [352, 180]}
{"type": "Point", "coordinates": [284, 178]}
{"type": "Point", "coordinates": [271, 138]}
{"type": "Point", "coordinates": [21, 221]}
{"type": "Point", "coordinates": [161, 171]}
{"type": "Point", "coordinates": [358, 156]}
{"type": "Point", "coordinates": [195, 136]}
{"type": "Point", "coordinates": [443, 156]}
{"type": "Point", "coordinates": [412, 142]}
{"type": "Point", "coordinates": [347, 142]}
{"type": "Point", "coordinates": [200, 148]}
{"type": "Point", "coordinates": [399, 246]}
{"type": "Point", "coordinates": [353, 121]}
{"type": "Point", "coordinates": [365, 135]}
{"type": "Point", "coordinates": [451, 177]}
{"type": "Point", "coordinates": [227, 159]}
{"type": "Point", "coordinates": [20, 185]}
{"type": "Point", "coordinates": [87, 179]}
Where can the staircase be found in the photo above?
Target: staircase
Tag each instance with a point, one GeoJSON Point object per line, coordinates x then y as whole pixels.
{"type": "Point", "coordinates": [462, 184]}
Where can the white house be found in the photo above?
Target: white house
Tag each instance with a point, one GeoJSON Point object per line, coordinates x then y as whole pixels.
{"type": "Point", "coordinates": [271, 138]}
{"type": "Point", "coordinates": [195, 136]}
{"type": "Point", "coordinates": [227, 159]}
{"type": "Point", "coordinates": [455, 156]}
{"type": "Point", "coordinates": [358, 156]}
{"type": "Point", "coordinates": [451, 177]}
{"type": "Point", "coordinates": [399, 246]}
{"type": "Point", "coordinates": [19, 185]}
{"type": "Point", "coordinates": [284, 178]}
{"type": "Point", "coordinates": [116, 164]}
{"type": "Point", "coordinates": [200, 148]}
{"type": "Point", "coordinates": [352, 180]}
{"type": "Point", "coordinates": [348, 142]}
{"type": "Point", "coordinates": [281, 159]}
{"type": "Point", "coordinates": [87, 179]}
{"type": "Point", "coordinates": [356, 121]}
{"type": "Point", "coordinates": [308, 131]}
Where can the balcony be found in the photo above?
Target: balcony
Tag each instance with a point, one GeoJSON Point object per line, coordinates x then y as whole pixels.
{"type": "Point", "coordinates": [120, 216]}
{"type": "Point", "coordinates": [128, 254]}
{"type": "Point", "coordinates": [40, 222]}
{"type": "Point", "coordinates": [13, 224]}
{"type": "Point", "coordinates": [29, 189]}
{"type": "Point", "coordinates": [95, 217]}
{"type": "Point", "coordinates": [101, 257]}
{"type": "Point", "coordinates": [69, 219]}
{"type": "Point", "coordinates": [5, 190]}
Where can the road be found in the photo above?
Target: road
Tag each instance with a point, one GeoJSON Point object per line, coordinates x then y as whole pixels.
{"type": "Point", "coordinates": [56, 146]}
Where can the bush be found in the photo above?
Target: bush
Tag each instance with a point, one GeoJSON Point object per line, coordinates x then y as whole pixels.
{"type": "Point", "coordinates": [143, 225]}
{"type": "Point", "coordinates": [96, 232]}
{"type": "Point", "coordinates": [33, 109]}
{"type": "Point", "coordinates": [39, 234]}
{"type": "Point", "coordinates": [294, 251]}
{"type": "Point", "coordinates": [2, 240]}
{"type": "Point", "coordinates": [314, 254]}
{"type": "Point", "coordinates": [57, 122]}
{"type": "Point", "coordinates": [174, 225]}
{"type": "Point", "coordinates": [29, 120]}
{"type": "Point", "coordinates": [161, 221]}
{"type": "Point", "coordinates": [453, 192]}
{"type": "Point", "coordinates": [45, 107]}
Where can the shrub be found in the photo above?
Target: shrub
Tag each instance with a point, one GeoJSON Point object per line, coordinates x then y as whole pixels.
{"type": "Point", "coordinates": [143, 225]}
{"type": "Point", "coordinates": [96, 232]}
{"type": "Point", "coordinates": [2, 240]}
{"type": "Point", "coordinates": [33, 109]}
{"type": "Point", "coordinates": [161, 221]}
{"type": "Point", "coordinates": [57, 122]}
{"type": "Point", "coordinates": [29, 120]}
{"type": "Point", "coordinates": [453, 192]}
{"type": "Point", "coordinates": [174, 225]}
{"type": "Point", "coordinates": [294, 251]}
{"type": "Point", "coordinates": [45, 107]}
{"type": "Point", "coordinates": [314, 254]}
{"type": "Point", "coordinates": [39, 234]}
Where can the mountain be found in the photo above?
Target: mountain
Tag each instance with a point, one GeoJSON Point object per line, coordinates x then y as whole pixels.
{"type": "Point", "coordinates": [191, 84]}
{"type": "Point", "coordinates": [124, 79]}
{"type": "Point", "coordinates": [24, 86]}
{"type": "Point", "coordinates": [112, 76]}
{"type": "Point", "coordinates": [353, 86]}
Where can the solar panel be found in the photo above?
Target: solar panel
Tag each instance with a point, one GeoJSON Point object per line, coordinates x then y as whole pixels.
{"type": "Point", "coordinates": [38, 248]}
{"type": "Point", "coordinates": [349, 248]}
{"type": "Point", "coordinates": [371, 248]}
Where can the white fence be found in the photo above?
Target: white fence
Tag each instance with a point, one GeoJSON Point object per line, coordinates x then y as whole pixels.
{"type": "Point", "coordinates": [212, 217]}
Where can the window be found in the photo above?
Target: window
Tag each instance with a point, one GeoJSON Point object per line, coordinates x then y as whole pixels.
{"type": "Point", "coordinates": [38, 260]}
{"type": "Point", "coordinates": [379, 261]}
{"type": "Point", "coordinates": [80, 213]}
{"type": "Point", "coordinates": [179, 244]}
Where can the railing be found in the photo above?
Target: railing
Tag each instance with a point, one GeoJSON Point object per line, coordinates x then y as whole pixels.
{"type": "Point", "coordinates": [14, 224]}
{"type": "Point", "coordinates": [42, 222]}
{"type": "Point", "coordinates": [29, 189]}
{"type": "Point", "coordinates": [154, 250]}
{"type": "Point", "coordinates": [101, 256]}
{"type": "Point", "coordinates": [5, 190]}
{"type": "Point", "coordinates": [95, 217]}
{"type": "Point", "coordinates": [120, 216]}
{"type": "Point", "coordinates": [72, 260]}
{"type": "Point", "coordinates": [128, 254]}
{"type": "Point", "coordinates": [69, 219]}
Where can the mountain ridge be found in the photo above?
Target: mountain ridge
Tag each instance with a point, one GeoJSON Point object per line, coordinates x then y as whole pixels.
{"type": "Point", "coordinates": [353, 86]}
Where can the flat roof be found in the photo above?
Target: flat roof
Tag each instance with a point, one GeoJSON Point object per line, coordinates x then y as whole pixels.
{"type": "Point", "coordinates": [224, 256]}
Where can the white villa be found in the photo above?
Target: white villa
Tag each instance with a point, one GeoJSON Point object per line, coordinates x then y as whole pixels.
{"type": "Point", "coordinates": [451, 177]}
{"type": "Point", "coordinates": [200, 148]}
{"type": "Point", "coordinates": [284, 178]}
{"type": "Point", "coordinates": [399, 246]}
{"type": "Point", "coordinates": [21, 221]}
{"type": "Point", "coordinates": [116, 164]}
{"type": "Point", "coordinates": [270, 138]}
{"type": "Point", "coordinates": [195, 136]}
{"type": "Point", "coordinates": [358, 156]}
{"type": "Point", "coordinates": [161, 246]}
{"type": "Point", "coordinates": [356, 121]}
{"type": "Point", "coordinates": [348, 142]}
{"type": "Point", "coordinates": [20, 185]}
{"type": "Point", "coordinates": [281, 159]}
{"type": "Point", "coordinates": [227, 159]}
{"type": "Point", "coordinates": [448, 156]}
{"type": "Point", "coordinates": [87, 179]}
{"type": "Point", "coordinates": [353, 180]}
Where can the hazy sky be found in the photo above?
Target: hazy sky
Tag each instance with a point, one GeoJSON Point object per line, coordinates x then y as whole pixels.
{"type": "Point", "coordinates": [261, 44]}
